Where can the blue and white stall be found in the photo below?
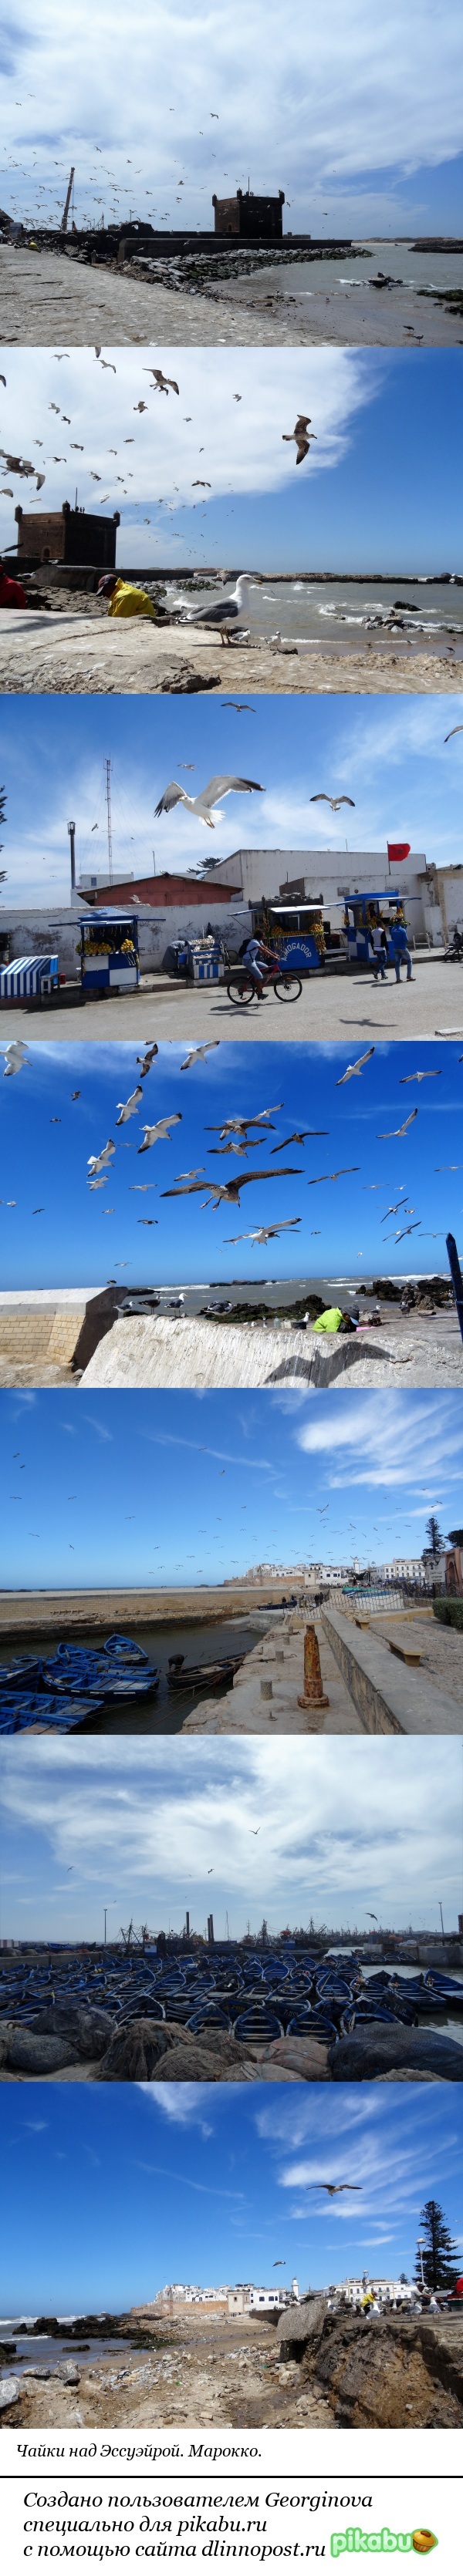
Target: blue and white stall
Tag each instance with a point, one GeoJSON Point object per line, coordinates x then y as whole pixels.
{"type": "Point", "coordinates": [109, 953]}
{"type": "Point", "coordinates": [27, 975]}
{"type": "Point", "coordinates": [363, 912]}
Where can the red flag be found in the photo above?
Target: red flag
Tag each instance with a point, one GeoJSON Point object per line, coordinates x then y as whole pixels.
{"type": "Point", "coordinates": [396, 851]}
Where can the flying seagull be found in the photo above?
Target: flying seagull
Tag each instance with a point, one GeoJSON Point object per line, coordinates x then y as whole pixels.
{"type": "Point", "coordinates": [15, 1055]}
{"type": "Point", "coordinates": [264, 1233]}
{"type": "Point", "coordinates": [236, 1145]}
{"type": "Point", "coordinates": [198, 1054]}
{"type": "Point", "coordinates": [406, 1229]}
{"type": "Point", "coordinates": [240, 706]}
{"type": "Point", "coordinates": [298, 1137]}
{"type": "Point", "coordinates": [236, 1126]}
{"type": "Point", "coordinates": [434, 1071]}
{"type": "Point", "coordinates": [230, 1190]}
{"type": "Point", "coordinates": [354, 1068]}
{"type": "Point", "coordinates": [128, 1108]}
{"type": "Point", "coordinates": [397, 1131]}
{"type": "Point", "coordinates": [160, 1134]}
{"type": "Point", "coordinates": [210, 795]}
{"type": "Point", "coordinates": [302, 435]}
{"type": "Point", "coordinates": [335, 801]}
{"type": "Point", "coordinates": [333, 2187]}
{"type": "Point", "coordinates": [161, 383]}
{"type": "Point", "coordinates": [333, 1176]}
{"type": "Point", "coordinates": [455, 729]}
{"type": "Point", "coordinates": [146, 1060]}
{"type": "Point", "coordinates": [96, 1162]}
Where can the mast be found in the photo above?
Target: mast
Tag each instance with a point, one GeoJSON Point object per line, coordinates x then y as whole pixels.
{"type": "Point", "coordinates": [64, 217]}
{"type": "Point", "coordinates": [108, 804]}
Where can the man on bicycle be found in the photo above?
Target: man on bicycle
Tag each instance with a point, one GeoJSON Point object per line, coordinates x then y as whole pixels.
{"type": "Point", "coordinates": [257, 959]}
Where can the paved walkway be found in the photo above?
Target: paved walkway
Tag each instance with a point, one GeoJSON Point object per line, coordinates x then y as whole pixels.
{"type": "Point", "coordinates": [47, 296]}
{"type": "Point", "coordinates": [279, 1659]}
{"type": "Point", "coordinates": [330, 1006]}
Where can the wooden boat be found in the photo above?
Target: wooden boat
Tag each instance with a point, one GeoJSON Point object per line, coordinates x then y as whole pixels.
{"type": "Point", "coordinates": [186, 1677]}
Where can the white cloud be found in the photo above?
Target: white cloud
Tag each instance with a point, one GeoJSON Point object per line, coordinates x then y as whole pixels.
{"type": "Point", "coordinates": [386, 1444]}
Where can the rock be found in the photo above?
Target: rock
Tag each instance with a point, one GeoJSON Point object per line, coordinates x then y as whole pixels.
{"type": "Point", "coordinates": [408, 2075]}
{"type": "Point", "coordinates": [306, 2057]}
{"type": "Point", "coordinates": [10, 2389]}
{"type": "Point", "coordinates": [68, 2371]}
{"type": "Point", "coordinates": [190, 2063]}
{"type": "Point", "coordinates": [28, 2055]}
{"type": "Point", "coordinates": [4, 2043]}
{"type": "Point", "coordinates": [300, 2326]}
{"type": "Point", "coordinates": [39, 2370]}
{"type": "Point", "coordinates": [135, 2050]}
{"type": "Point", "coordinates": [377, 2047]}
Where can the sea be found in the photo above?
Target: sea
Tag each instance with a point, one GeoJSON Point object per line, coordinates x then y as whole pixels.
{"type": "Point", "coordinates": [338, 611]}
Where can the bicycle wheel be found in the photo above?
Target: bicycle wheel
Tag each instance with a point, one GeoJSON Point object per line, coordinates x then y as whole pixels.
{"type": "Point", "coordinates": [240, 992]}
{"type": "Point", "coordinates": [288, 988]}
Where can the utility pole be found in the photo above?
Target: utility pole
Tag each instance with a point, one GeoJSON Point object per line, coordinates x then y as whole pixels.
{"type": "Point", "coordinates": [456, 1278]}
{"type": "Point", "coordinates": [72, 837]}
{"type": "Point", "coordinates": [64, 217]}
{"type": "Point", "coordinates": [108, 804]}
{"type": "Point", "coordinates": [105, 1914]}
{"type": "Point", "coordinates": [442, 1920]}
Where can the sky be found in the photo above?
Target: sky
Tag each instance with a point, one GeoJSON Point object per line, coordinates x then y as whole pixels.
{"type": "Point", "coordinates": [388, 753]}
{"type": "Point", "coordinates": [299, 1474]}
{"type": "Point", "coordinates": [51, 1221]}
{"type": "Point", "coordinates": [144, 1817]}
{"type": "Point", "coordinates": [379, 492]}
{"type": "Point", "coordinates": [324, 115]}
{"type": "Point", "coordinates": [244, 2161]}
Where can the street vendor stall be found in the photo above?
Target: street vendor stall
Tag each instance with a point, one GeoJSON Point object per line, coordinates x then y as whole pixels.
{"type": "Point", "coordinates": [108, 950]}
{"type": "Point", "coordinates": [299, 934]}
{"type": "Point", "coordinates": [364, 912]}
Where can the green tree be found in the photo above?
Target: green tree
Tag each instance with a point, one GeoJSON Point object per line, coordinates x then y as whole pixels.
{"type": "Point", "coordinates": [440, 2254]}
{"type": "Point", "coordinates": [434, 1537]}
{"type": "Point", "coordinates": [456, 1537]}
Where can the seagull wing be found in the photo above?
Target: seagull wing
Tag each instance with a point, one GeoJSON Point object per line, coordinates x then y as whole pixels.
{"type": "Point", "coordinates": [321, 798]}
{"type": "Point", "coordinates": [398, 1131]}
{"type": "Point", "coordinates": [448, 737]}
{"type": "Point", "coordinates": [173, 795]}
{"type": "Point", "coordinates": [217, 787]}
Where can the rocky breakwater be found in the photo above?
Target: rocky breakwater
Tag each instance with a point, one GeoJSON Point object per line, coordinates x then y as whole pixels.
{"type": "Point", "coordinates": [388, 2370]}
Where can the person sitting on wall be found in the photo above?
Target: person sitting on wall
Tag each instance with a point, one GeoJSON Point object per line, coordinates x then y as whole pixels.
{"type": "Point", "coordinates": [12, 594]}
{"type": "Point", "coordinates": [124, 599]}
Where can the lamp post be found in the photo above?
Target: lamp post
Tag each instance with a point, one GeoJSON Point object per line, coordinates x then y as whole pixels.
{"type": "Point", "coordinates": [419, 2249]}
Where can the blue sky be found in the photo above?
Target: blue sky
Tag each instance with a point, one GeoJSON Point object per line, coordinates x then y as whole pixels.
{"type": "Point", "coordinates": [297, 1477]}
{"type": "Point", "coordinates": [389, 753]}
{"type": "Point", "coordinates": [156, 1826]}
{"type": "Point", "coordinates": [321, 110]}
{"type": "Point", "coordinates": [117, 2220]}
{"type": "Point", "coordinates": [53, 1227]}
{"type": "Point", "coordinates": [380, 491]}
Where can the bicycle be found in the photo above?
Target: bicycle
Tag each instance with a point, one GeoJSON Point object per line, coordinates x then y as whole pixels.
{"type": "Point", "coordinates": [242, 988]}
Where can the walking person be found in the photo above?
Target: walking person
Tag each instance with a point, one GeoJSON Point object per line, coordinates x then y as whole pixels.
{"type": "Point", "coordinates": [400, 949]}
{"type": "Point", "coordinates": [376, 938]}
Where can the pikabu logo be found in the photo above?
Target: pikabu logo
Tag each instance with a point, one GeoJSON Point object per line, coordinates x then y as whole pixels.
{"type": "Point", "coordinates": [351, 2541]}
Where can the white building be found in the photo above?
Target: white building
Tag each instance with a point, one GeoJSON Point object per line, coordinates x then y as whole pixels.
{"type": "Point", "coordinates": [327, 876]}
{"type": "Point", "coordinates": [384, 2285]}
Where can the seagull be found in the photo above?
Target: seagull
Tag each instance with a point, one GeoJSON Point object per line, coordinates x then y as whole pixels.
{"type": "Point", "coordinates": [393, 1211]}
{"type": "Point", "coordinates": [236, 1145]}
{"type": "Point", "coordinates": [15, 1055]}
{"type": "Point", "coordinates": [146, 1060]}
{"type": "Point", "coordinates": [406, 1229]}
{"type": "Point", "coordinates": [128, 1108]}
{"type": "Point", "coordinates": [160, 1134]}
{"type": "Point", "coordinates": [354, 1068]}
{"type": "Point", "coordinates": [280, 2265]}
{"type": "Point", "coordinates": [198, 1054]}
{"type": "Point", "coordinates": [75, 1095]}
{"type": "Point", "coordinates": [235, 1126]}
{"type": "Point", "coordinates": [397, 1131]}
{"type": "Point", "coordinates": [333, 1176]}
{"type": "Point", "coordinates": [210, 795]}
{"type": "Point", "coordinates": [432, 1076]}
{"type": "Point", "coordinates": [161, 382]}
{"type": "Point", "coordinates": [333, 2187]}
{"type": "Point", "coordinates": [240, 706]}
{"type": "Point", "coordinates": [302, 435]}
{"type": "Point", "coordinates": [230, 1190]}
{"type": "Point", "coordinates": [223, 612]}
{"type": "Point", "coordinates": [448, 737]}
{"type": "Point", "coordinates": [335, 801]}
{"type": "Point", "coordinates": [98, 1185]}
{"type": "Point", "coordinates": [189, 1176]}
{"type": "Point", "coordinates": [298, 1137]}
{"type": "Point", "coordinates": [96, 1162]}
{"type": "Point", "coordinates": [264, 1233]}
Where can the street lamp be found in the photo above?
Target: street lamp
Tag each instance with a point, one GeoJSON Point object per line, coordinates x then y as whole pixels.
{"type": "Point", "coordinates": [419, 2249]}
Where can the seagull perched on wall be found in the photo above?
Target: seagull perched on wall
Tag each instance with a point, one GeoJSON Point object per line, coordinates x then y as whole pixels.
{"type": "Point", "coordinates": [160, 1133]}
{"type": "Point", "coordinates": [224, 611]}
{"type": "Point", "coordinates": [198, 1054]}
{"type": "Point", "coordinates": [128, 1108]}
{"type": "Point", "coordinates": [302, 435]}
{"type": "Point", "coordinates": [354, 1068]}
{"type": "Point", "coordinates": [201, 805]}
{"type": "Point", "coordinates": [15, 1055]}
{"type": "Point", "coordinates": [335, 801]}
{"type": "Point", "coordinates": [96, 1162]}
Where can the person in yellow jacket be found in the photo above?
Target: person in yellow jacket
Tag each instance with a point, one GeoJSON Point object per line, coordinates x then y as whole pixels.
{"type": "Point", "coordinates": [126, 600]}
{"type": "Point", "coordinates": [330, 1321]}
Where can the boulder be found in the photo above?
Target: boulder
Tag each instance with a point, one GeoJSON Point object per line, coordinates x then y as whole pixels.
{"type": "Point", "coordinates": [68, 2371]}
{"type": "Point", "coordinates": [4, 2043]}
{"type": "Point", "coordinates": [134, 2051]}
{"type": "Point", "coordinates": [377, 2047]}
{"type": "Point", "coordinates": [10, 2389]}
{"type": "Point", "coordinates": [39, 2370]}
{"type": "Point", "coordinates": [305, 2057]}
{"type": "Point", "coordinates": [31, 2055]}
{"type": "Point", "coordinates": [220, 2044]}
